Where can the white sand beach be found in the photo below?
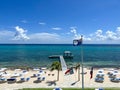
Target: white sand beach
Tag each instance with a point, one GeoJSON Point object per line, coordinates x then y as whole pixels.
{"type": "Point", "coordinates": [70, 80]}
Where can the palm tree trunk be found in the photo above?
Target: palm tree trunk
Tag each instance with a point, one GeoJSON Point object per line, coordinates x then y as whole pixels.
{"type": "Point", "coordinates": [78, 73]}
{"type": "Point", "coordinates": [58, 76]}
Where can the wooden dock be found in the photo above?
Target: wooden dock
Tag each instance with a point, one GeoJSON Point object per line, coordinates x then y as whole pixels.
{"type": "Point", "coordinates": [63, 63]}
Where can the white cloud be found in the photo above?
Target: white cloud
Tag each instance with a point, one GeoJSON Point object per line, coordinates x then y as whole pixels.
{"type": "Point", "coordinates": [56, 28]}
{"type": "Point", "coordinates": [74, 31]}
{"type": "Point", "coordinates": [110, 35]}
{"type": "Point", "coordinates": [78, 36]}
{"type": "Point", "coordinates": [86, 38]}
{"type": "Point", "coordinates": [99, 36]}
{"type": "Point", "coordinates": [44, 37]}
{"type": "Point", "coordinates": [20, 34]}
{"type": "Point", "coordinates": [42, 23]}
{"type": "Point", "coordinates": [118, 31]}
{"type": "Point", "coordinates": [113, 36]}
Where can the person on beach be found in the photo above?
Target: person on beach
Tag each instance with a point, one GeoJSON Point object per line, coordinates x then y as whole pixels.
{"type": "Point", "coordinates": [91, 73]}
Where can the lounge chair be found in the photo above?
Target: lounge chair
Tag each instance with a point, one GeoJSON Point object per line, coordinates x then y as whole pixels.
{"type": "Point", "coordinates": [2, 80]}
{"type": "Point", "coordinates": [39, 78]}
{"type": "Point", "coordinates": [115, 79]}
{"type": "Point", "coordinates": [42, 78]}
{"type": "Point", "coordinates": [36, 69]}
{"type": "Point", "coordinates": [100, 75]}
{"type": "Point", "coordinates": [100, 71]}
{"type": "Point", "coordinates": [3, 69]}
{"type": "Point", "coordinates": [111, 72]}
{"type": "Point", "coordinates": [116, 71]}
{"type": "Point", "coordinates": [15, 75]}
{"type": "Point", "coordinates": [112, 75]}
{"type": "Point", "coordinates": [99, 79]}
{"type": "Point", "coordinates": [28, 78]}
{"type": "Point", "coordinates": [11, 80]}
{"type": "Point", "coordinates": [36, 75]}
{"type": "Point", "coordinates": [22, 79]}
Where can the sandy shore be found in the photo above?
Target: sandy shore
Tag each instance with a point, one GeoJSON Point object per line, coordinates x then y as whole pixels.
{"type": "Point", "coordinates": [70, 80]}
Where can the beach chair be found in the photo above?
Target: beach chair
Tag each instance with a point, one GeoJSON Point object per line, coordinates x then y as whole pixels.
{"type": "Point", "coordinates": [11, 80]}
{"type": "Point", "coordinates": [110, 72]}
{"type": "Point", "coordinates": [112, 76]}
{"type": "Point", "coordinates": [97, 79]}
{"type": "Point", "coordinates": [100, 71]}
{"type": "Point", "coordinates": [2, 80]}
{"type": "Point", "coordinates": [22, 79]}
{"type": "Point", "coordinates": [36, 75]}
{"type": "Point", "coordinates": [42, 78]}
{"type": "Point", "coordinates": [28, 78]}
{"type": "Point", "coordinates": [41, 71]}
{"type": "Point", "coordinates": [39, 78]}
{"type": "Point", "coordinates": [100, 75]}
{"type": "Point", "coordinates": [115, 79]}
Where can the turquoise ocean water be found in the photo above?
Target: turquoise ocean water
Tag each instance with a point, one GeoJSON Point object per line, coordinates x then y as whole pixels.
{"type": "Point", "coordinates": [33, 55]}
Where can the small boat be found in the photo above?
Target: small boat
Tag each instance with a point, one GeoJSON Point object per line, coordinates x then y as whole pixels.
{"type": "Point", "coordinates": [67, 55]}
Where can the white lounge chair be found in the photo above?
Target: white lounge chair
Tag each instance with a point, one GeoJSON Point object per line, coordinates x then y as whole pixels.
{"type": "Point", "coordinates": [97, 79]}
{"type": "Point", "coordinates": [115, 79]}
{"type": "Point", "coordinates": [3, 80]}
{"type": "Point", "coordinates": [100, 71]}
{"type": "Point", "coordinates": [100, 75]}
{"type": "Point", "coordinates": [15, 75]}
{"type": "Point", "coordinates": [3, 69]}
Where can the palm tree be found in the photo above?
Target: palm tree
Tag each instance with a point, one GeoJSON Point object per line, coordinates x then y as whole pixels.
{"type": "Point", "coordinates": [77, 67]}
{"type": "Point", "coordinates": [56, 66]}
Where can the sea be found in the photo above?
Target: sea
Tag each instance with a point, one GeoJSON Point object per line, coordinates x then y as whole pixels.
{"type": "Point", "coordinates": [36, 55]}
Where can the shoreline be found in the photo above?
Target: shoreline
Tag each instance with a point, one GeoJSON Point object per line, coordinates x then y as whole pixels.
{"type": "Point", "coordinates": [68, 64]}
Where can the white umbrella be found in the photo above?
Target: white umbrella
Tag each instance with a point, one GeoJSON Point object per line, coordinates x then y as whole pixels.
{"type": "Point", "coordinates": [5, 75]}
{"type": "Point", "coordinates": [15, 75]}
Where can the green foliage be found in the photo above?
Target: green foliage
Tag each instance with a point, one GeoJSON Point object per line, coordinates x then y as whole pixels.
{"type": "Point", "coordinates": [56, 66]}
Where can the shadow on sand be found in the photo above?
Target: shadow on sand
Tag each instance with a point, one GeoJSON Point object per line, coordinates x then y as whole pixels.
{"type": "Point", "coordinates": [74, 83]}
{"type": "Point", "coordinates": [50, 83]}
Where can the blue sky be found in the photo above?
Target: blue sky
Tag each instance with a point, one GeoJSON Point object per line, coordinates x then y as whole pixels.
{"type": "Point", "coordinates": [59, 21]}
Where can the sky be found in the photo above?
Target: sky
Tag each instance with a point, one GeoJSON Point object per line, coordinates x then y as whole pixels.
{"type": "Point", "coordinates": [59, 21]}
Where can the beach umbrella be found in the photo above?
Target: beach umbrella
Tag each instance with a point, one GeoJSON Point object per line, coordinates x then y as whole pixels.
{"type": "Point", "coordinates": [4, 75]}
